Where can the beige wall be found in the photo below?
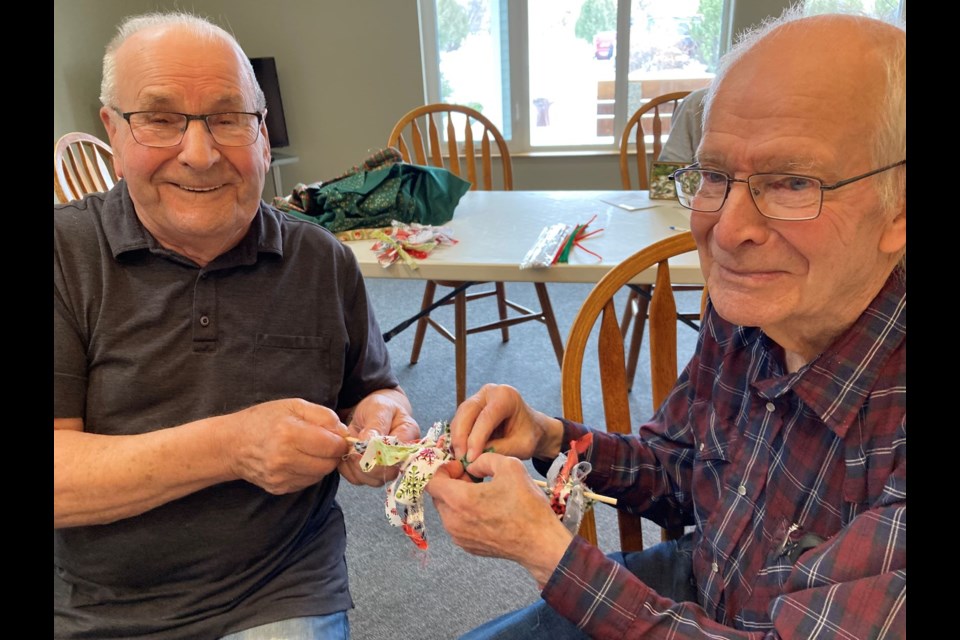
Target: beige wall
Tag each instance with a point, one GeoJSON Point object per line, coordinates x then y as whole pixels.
{"type": "Point", "coordinates": [348, 69]}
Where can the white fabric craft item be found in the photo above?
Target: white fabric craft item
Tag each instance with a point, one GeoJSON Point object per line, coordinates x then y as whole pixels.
{"type": "Point", "coordinates": [571, 499]}
{"type": "Point", "coordinates": [418, 462]}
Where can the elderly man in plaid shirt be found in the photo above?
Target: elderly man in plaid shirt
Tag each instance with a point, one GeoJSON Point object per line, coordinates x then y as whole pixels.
{"type": "Point", "coordinates": [784, 441]}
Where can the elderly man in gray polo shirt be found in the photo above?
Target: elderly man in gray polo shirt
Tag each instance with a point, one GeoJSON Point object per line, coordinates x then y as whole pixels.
{"type": "Point", "coordinates": [209, 355]}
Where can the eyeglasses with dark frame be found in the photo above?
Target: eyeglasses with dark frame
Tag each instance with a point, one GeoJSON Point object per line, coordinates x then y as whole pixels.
{"type": "Point", "coordinates": [779, 196]}
{"type": "Point", "coordinates": [167, 128]}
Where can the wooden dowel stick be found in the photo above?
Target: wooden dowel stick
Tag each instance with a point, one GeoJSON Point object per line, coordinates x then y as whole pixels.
{"type": "Point", "coordinates": [588, 494]}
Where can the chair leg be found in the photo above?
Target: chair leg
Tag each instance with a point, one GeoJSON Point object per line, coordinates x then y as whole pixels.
{"type": "Point", "coordinates": [629, 312]}
{"type": "Point", "coordinates": [502, 308]}
{"type": "Point", "coordinates": [428, 293]}
{"type": "Point", "coordinates": [460, 345]}
{"type": "Point", "coordinates": [636, 338]}
{"type": "Point", "coordinates": [547, 309]}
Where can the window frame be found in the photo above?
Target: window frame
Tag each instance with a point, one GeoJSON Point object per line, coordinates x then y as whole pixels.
{"type": "Point", "coordinates": [516, 127]}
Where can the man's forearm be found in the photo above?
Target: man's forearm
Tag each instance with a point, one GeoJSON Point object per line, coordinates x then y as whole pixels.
{"type": "Point", "coordinates": [99, 479]}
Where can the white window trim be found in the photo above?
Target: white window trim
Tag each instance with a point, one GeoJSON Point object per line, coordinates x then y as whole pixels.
{"type": "Point", "coordinates": [518, 136]}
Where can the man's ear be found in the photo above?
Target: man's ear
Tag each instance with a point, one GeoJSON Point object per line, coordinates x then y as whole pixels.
{"type": "Point", "coordinates": [267, 154]}
{"type": "Point", "coordinates": [894, 237]}
{"type": "Point", "coordinates": [110, 124]}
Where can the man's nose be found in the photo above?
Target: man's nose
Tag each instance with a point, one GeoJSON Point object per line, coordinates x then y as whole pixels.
{"type": "Point", "coordinates": [739, 219]}
{"type": "Point", "coordinates": [198, 148]}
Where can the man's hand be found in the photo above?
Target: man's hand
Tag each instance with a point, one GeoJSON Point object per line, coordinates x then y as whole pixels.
{"type": "Point", "coordinates": [496, 416]}
{"type": "Point", "coordinates": [385, 412]}
{"type": "Point", "coordinates": [506, 517]}
{"type": "Point", "coordinates": [284, 445]}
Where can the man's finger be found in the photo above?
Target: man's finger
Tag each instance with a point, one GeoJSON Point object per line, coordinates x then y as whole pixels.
{"type": "Point", "coordinates": [464, 421]}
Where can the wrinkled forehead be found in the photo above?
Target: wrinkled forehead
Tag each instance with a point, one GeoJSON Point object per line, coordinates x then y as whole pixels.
{"type": "Point", "coordinates": [830, 69]}
{"type": "Point", "coordinates": [160, 64]}
{"type": "Point", "coordinates": [802, 85]}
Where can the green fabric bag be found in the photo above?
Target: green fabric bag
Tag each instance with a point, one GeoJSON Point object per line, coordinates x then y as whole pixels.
{"type": "Point", "coordinates": [377, 192]}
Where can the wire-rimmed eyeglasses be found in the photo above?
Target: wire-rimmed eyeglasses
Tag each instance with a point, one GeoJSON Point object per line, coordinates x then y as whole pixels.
{"type": "Point", "coordinates": [167, 128]}
{"type": "Point", "coordinates": [780, 196]}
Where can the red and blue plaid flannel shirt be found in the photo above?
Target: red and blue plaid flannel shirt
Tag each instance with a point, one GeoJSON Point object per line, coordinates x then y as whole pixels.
{"type": "Point", "coordinates": [753, 455]}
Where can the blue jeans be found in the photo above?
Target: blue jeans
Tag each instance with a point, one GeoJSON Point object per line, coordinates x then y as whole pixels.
{"type": "Point", "coordinates": [667, 568]}
{"type": "Point", "coordinates": [330, 627]}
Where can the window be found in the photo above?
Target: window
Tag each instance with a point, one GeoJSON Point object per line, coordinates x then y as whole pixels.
{"type": "Point", "coordinates": [548, 73]}
{"type": "Point", "coordinates": [887, 10]}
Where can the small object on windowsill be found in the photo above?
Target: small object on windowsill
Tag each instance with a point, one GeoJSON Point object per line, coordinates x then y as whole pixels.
{"type": "Point", "coordinates": [673, 228]}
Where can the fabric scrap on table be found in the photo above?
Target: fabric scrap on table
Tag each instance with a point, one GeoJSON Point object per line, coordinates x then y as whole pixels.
{"type": "Point", "coordinates": [380, 189]}
{"type": "Point", "coordinates": [409, 243]}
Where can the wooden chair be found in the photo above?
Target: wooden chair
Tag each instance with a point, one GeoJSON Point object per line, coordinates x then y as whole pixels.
{"type": "Point", "coordinates": [82, 164]}
{"type": "Point", "coordinates": [470, 140]}
{"type": "Point", "coordinates": [648, 120]}
{"type": "Point", "coordinates": [614, 384]}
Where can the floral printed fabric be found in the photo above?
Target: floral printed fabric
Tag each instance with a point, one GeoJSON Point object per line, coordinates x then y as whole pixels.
{"type": "Point", "coordinates": [418, 462]}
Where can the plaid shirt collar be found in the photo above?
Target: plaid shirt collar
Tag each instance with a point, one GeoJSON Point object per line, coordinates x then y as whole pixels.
{"type": "Point", "coordinates": [836, 383]}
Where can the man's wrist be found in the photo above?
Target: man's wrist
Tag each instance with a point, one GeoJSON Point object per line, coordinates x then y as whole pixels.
{"type": "Point", "coordinates": [551, 440]}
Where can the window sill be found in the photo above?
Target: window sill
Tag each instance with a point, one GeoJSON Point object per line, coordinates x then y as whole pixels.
{"type": "Point", "coordinates": [579, 153]}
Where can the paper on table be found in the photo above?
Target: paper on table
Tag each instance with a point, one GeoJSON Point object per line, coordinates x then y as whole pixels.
{"type": "Point", "coordinates": [630, 202]}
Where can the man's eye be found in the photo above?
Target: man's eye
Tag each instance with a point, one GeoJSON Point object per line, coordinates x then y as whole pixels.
{"type": "Point", "coordinates": [160, 119]}
{"type": "Point", "coordinates": [792, 183]}
{"type": "Point", "coordinates": [713, 178]}
{"type": "Point", "coordinates": [224, 119]}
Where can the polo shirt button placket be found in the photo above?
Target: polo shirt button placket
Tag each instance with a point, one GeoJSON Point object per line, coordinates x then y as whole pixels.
{"type": "Point", "coordinates": [204, 321]}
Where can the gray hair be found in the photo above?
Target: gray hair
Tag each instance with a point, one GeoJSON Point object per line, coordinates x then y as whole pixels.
{"type": "Point", "coordinates": [201, 27]}
{"type": "Point", "coordinates": [890, 137]}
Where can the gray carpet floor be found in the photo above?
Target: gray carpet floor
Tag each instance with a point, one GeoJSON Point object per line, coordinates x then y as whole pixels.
{"type": "Point", "coordinates": [442, 592]}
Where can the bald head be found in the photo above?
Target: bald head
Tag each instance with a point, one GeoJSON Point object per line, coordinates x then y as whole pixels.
{"type": "Point", "coordinates": [150, 26]}
{"type": "Point", "coordinates": [849, 70]}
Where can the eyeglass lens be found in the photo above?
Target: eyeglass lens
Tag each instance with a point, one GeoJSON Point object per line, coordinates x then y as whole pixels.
{"type": "Point", "coordinates": [776, 196]}
{"type": "Point", "coordinates": [161, 129]}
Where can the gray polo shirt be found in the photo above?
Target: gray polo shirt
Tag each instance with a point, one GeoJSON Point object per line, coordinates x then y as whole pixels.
{"type": "Point", "coordinates": [146, 339]}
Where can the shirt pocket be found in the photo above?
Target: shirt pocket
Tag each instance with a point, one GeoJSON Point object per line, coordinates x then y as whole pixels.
{"type": "Point", "coordinates": [296, 367]}
{"type": "Point", "coordinates": [710, 468]}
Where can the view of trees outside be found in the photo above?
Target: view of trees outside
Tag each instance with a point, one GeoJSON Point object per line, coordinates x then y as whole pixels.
{"type": "Point", "coordinates": [469, 53]}
{"type": "Point", "coordinates": [572, 60]}
{"type": "Point", "coordinates": [674, 45]}
{"type": "Point", "coordinates": [571, 50]}
{"type": "Point", "coordinates": [564, 70]}
{"type": "Point", "coordinates": [888, 10]}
